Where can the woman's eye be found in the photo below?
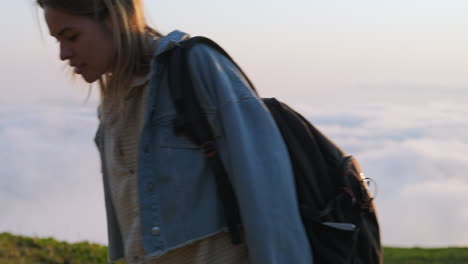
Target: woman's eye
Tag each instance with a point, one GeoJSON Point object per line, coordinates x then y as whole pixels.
{"type": "Point", "coordinates": [72, 38]}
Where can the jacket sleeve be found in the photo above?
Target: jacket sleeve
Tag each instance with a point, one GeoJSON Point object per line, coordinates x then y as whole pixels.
{"type": "Point", "coordinates": [256, 160]}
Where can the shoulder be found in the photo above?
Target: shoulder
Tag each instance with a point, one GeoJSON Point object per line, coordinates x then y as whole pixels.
{"type": "Point", "coordinates": [169, 41]}
{"type": "Point", "coordinates": [212, 68]}
{"type": "Point", "coordinates": [215, 76]}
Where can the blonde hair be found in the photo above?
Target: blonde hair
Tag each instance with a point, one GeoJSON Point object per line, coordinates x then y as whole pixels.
{"type": "Point", "coordinates": [130, 33]}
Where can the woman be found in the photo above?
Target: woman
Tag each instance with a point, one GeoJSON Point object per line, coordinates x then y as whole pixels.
{"type": "Point", "coordinates": [161, 199]}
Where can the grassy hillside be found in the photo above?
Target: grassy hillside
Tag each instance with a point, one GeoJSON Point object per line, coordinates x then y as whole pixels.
{"type": "Point", "coordinates": [20, 249]}
{"type": "Point", "coordinates": [26, 250]}
{"type": "Point", "coordinates": [426, 256]}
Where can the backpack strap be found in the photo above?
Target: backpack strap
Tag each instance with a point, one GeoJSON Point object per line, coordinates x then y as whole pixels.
{"type": "Point", "coordinates": [189, 43]}
{"type": "Point", "coordinates": [192, 122]}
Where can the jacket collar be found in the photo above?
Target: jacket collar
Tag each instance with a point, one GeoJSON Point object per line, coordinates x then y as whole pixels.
{"type": "Point", "coordinates": [169, 41]}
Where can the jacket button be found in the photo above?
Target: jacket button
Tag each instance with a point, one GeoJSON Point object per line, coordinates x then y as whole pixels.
{"type": "Point", "coordinates": [155, 231]}
{"type": "Point", "coordinates": [150, 187]}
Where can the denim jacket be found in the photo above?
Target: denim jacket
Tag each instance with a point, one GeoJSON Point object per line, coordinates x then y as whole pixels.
{"type": "Point", "coordinates": [177, 194]}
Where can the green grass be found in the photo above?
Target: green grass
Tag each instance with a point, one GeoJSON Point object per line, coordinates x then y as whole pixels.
{"type": "Point", "coordinates": [20, 249]}
{"type": "Point", "coordinates": [26, 250]}
{"type": "Point", "coordinates": [451, 255]}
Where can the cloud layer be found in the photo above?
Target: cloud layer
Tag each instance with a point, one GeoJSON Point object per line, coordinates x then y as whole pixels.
{"type": "Point", "coordinates": [417, 153]}
{"type": "Point", "coordinates": [51, 182]}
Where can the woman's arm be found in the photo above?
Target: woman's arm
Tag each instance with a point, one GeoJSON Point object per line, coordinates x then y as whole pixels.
{"type": "Point", "coordinates": [256, 160]}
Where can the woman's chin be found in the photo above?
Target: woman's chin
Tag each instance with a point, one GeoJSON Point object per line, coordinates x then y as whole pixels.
{"type": "Point", "coordinates": [89, 78]}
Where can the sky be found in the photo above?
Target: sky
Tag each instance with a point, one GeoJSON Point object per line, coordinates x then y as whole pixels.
{"type": "Point", "coordinates": [387, 81]}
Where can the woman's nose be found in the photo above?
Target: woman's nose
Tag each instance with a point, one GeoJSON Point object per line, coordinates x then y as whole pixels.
{"type": "Point", "coordinates": [65, 52]}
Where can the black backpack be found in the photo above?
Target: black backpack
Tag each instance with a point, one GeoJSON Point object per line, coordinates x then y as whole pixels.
{"type": "Point", "coordinates": [337, 209]}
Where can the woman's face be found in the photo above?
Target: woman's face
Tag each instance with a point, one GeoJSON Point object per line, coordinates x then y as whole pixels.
{"type": "Point", "coordinates": [87, 44]}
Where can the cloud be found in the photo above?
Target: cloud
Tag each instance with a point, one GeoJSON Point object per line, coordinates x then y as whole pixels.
{"type": "Point", "coordinates": [418, 155]}
{"type": "Point", "coordinates": [51, 182]}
